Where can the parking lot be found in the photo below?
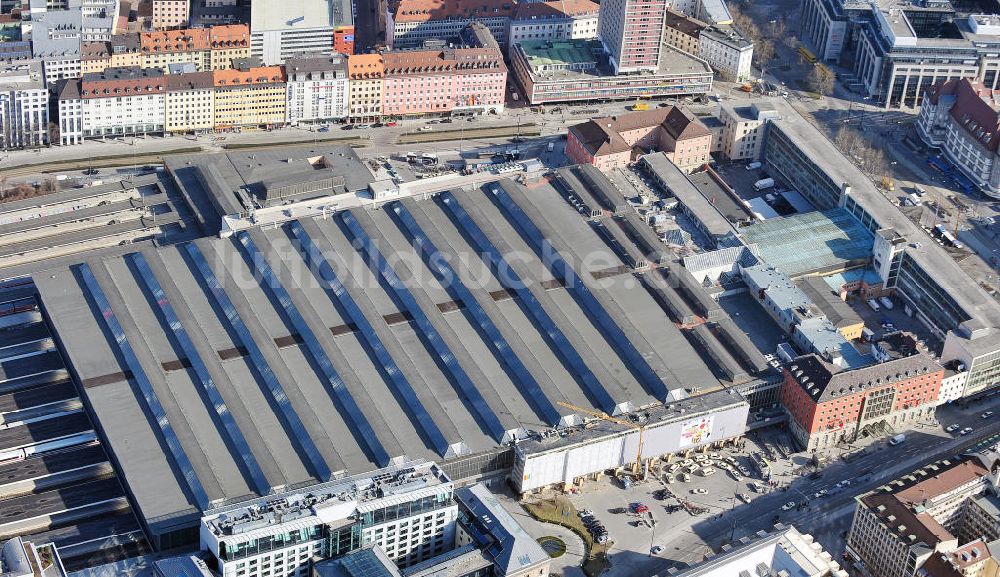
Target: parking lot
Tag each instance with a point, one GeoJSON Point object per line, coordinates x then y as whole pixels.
{"type": "Point", "coordinates": [674, 496]}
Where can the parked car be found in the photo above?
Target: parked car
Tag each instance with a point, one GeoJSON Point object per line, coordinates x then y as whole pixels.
{"type": "Point", "coordinates": [390, 124]}
{"type": "Point", "coordinates": [787, 506]}
{"type": "Point", "coordinates": [743, 497]}
{"type": "Point", "coordinates": [699, 491]}
{"type": "Point", "coordinates": [965, 431]}
{"type": "Point", "coordinates": [987, 414]}
{"type": "Point", "coordinates": [425, 128]}
{"type": "Point", "coordinates": [951, 428]}
{"type": "Point", "coordinates": [656, 550]}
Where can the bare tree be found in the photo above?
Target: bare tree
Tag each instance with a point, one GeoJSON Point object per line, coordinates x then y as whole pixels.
{"type": "Point", "coordinates": [763, 53]}
{"type": "Point", "coordinates": [821, 79]}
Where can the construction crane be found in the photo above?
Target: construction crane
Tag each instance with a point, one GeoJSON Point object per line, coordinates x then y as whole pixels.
{"type": "Point", "coordinates": [637, 467]}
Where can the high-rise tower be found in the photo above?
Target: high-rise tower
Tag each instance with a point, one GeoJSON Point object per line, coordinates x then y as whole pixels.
{"type": "Point", "coordinates": [632, 32]}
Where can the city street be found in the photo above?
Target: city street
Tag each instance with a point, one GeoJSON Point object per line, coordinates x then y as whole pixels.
{"type": "Point", "coordinates": [687, 539]}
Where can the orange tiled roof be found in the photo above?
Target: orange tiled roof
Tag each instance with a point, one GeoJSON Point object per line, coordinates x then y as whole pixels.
{"type": "Point", "coordinates": [261, 75]}
{"type": "Point", "coordinates": [423, 10]}
{"type": "Point", "coordinates": [229, 36]}
{"type": "Point", "coordinates": [361, 66]}
{"type": "Point", "coordinates": [555, 9]}
{"type": "Point", "coordinates": [185, 40]}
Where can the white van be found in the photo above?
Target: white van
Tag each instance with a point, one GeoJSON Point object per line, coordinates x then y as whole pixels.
{"type": "Point", "coordinates": [873, 305]}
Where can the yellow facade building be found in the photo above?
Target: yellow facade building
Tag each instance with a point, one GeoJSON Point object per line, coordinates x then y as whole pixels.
{"type": "Point", "coordinates": [254, 97]}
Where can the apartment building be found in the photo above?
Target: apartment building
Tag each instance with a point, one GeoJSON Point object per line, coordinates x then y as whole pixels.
{"type": "Point", "coordinates": [227, 44]}
{"type": "Point", "coordinates": [189, 106]}
{"type": "Point", "coordinates": [169, 14]}
{"type": "Point", "coordinates": [366, 73]}
{"type": "Point", "coordinates": [743, 133]}
{"type": "Point", "coordinates": [317, 88]}
{"type": "Point", "coordinates": [414, 21]}
{"type": "Point", "coordinates": [122, 51]}
{"type": "Point", "coordinates": [251, 98]}
{"type": "Point", "coordinates": [901, 527]}
{"type": "Point", "coordinates": [682, 31]}
{"type": "Point", "coordinates": [961, 118]}
{"type": "Point", "coordinates": [829, 404]}
{"type": "Point", "coordinates": [407, 511]}
{"type": "Point", "coordinates": [163, 48]}
{"type": "Point", "coordinates": [24, 107]}
{"type": "Point", "coordinates": [468, 80]}
{"type": "Point", "coordinates": [553, 20]}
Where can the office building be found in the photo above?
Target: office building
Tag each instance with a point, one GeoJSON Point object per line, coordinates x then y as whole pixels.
{"type": "Point", "coordinates": [408, 511]}
{"type": "Point", "coordinates": [116, 102]}
{"type": "Point", "coordinates": [553, 20]}
{"type": "Point", "coordinates": [448, 81]}
{"type": "Point", "coordinates": [415, 21]}
{"type": "Point", "coordinates": [727, 51]}
{"type": "Point", "coordinates": [900, 50]}
{"type": "Point", "coordinates": [743, 128]}
{"type": "Point", "coordinates": [24, 106]}
{"type": "Point", "coordinates": [783, 551]}
{"type": "Point", "coordinates": [961, 118]}
{"type": "Point", "coordinates": [802, 320]}
{"type": "Point", "coordinates": [572, 70]}
{"type": "Point", "coordinates": [632, 33]}
{"type": "Point", "coordinates": [189, 104]}
{"type": "Point", "coordinates": [251, 98]}
{"type": "Point", "coordinates": [847, 321]}
{"type": "Point", "coordinates": [902, 526]}
{"type": "Point", "coordinates": [366, 73]}
{"type": "Point", "coordinates": [616, 141]}
{"type": "Point", "coordinates": [830, 405]}
{"type": "Point", "coordinates": [913, 267]}
{"type": "Point", "coordinates": [710, 11]}
{"type": "Point", "coordinates": [281, 30]}
{"type": "Point", "coordinates": [56, 37]}
{"type": "Point", "coordinates": [725, 48]}
{"type": "Point", "coordinates": [168, 14]}
{"type": "Point", "coordinates": [317, 88]}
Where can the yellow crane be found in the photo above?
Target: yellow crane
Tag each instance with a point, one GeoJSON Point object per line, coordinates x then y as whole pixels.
{"type": "Point", "coordinates": [637, 467]}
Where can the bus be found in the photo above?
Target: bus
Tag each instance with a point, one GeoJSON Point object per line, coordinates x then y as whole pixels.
{"type": "Point", "coordinates": [808, 56]}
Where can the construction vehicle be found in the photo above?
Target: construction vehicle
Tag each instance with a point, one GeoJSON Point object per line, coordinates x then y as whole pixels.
{"type": "Point", "coordinates": [637, 471]}
{"type": "Point", "coordinates": [747, 87]}
{"type": "Point", "coordinates": [639, 106]}
{"type": "Point", "coordinates": [888, 184]}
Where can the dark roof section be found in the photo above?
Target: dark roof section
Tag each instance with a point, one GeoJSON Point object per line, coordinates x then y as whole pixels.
{"type": "Point", "coordinates": [823, 381]}
{"type": "Point", "coordinates": [839, 312]}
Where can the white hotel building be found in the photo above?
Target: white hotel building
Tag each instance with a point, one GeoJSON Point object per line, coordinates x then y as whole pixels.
{"type": "Point", "coordinates": [407, 510]}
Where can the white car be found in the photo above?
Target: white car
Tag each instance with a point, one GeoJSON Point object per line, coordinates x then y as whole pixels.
{"type": "Point", "coordinates": [699, 491]}
{"type": "Point", "coordinates": [743, 497]}
{"type": "Point", "coordinates": [987, 414]}
{"type": "Point", "coordinates": [951, 428]}
{"type": "Point", "coordinates": [788, 505]}
{"type": "Point", "coordinates": [656, 550]}
{"type": "Point", "coordinates": [966, 431]}
{"type": "Point", "coordinates": [425, 128]}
